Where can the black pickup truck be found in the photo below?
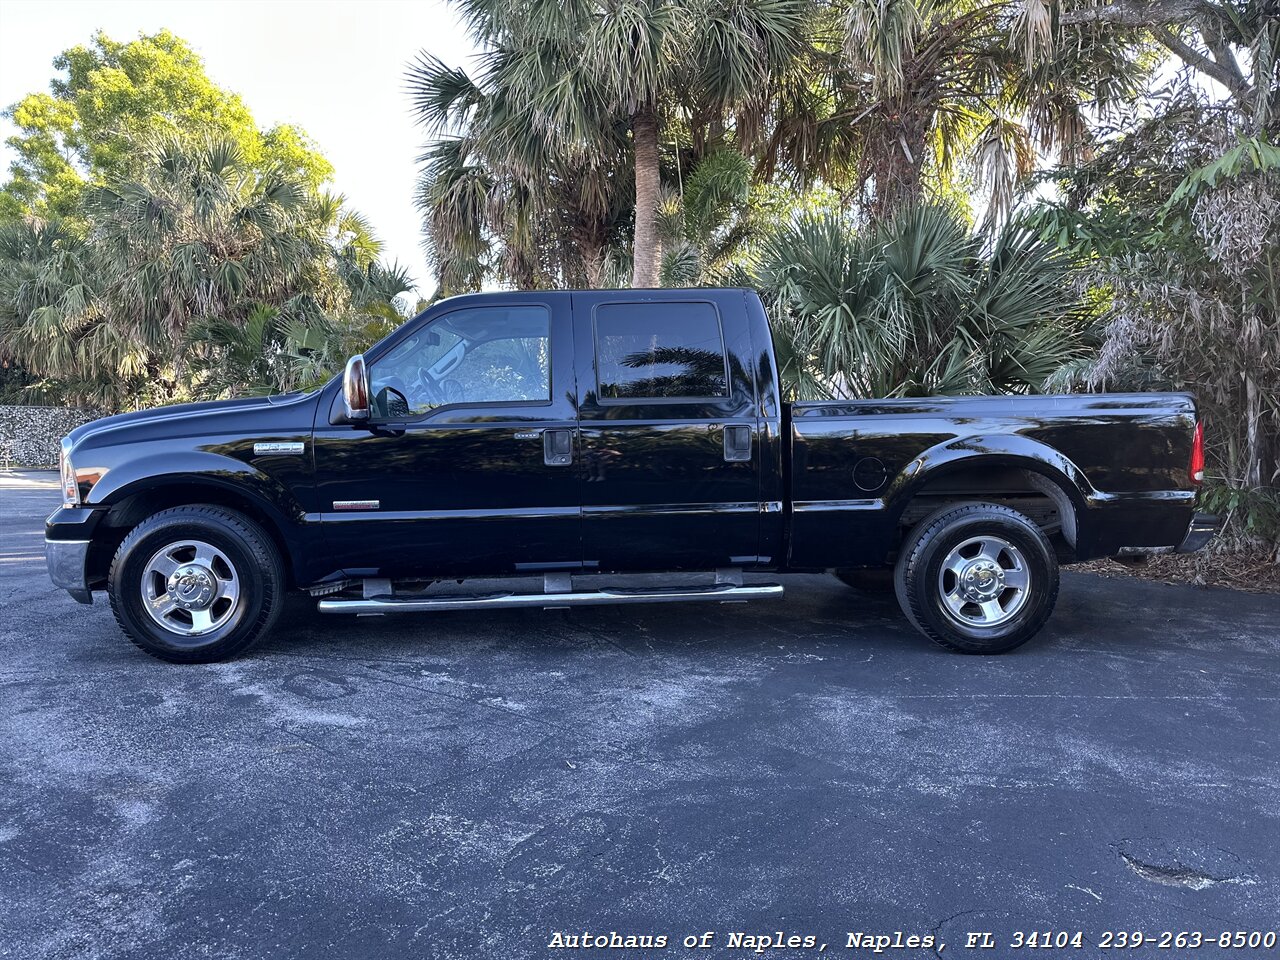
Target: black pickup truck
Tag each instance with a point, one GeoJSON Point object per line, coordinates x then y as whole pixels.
{"type": "Point", "coordinates": [581, 437]}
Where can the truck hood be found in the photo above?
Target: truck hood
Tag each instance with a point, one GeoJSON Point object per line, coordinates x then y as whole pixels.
{"type": "Point", "coordinates": [126, 427]}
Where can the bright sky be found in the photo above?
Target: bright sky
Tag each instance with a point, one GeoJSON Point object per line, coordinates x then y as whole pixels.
{"type": "Point", "coordinates": [335, 68]}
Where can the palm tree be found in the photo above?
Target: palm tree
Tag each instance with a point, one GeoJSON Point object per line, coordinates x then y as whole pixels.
{"type": "Point", "coordinates": [936, 96]}
{"type": "Point", "coordinates": [198, 235]}
{"type": "Point", "coordinates": [580, 71]}
{"type": "Point", "coordinates": [914, 306]}
{"type": "Point", "coordinates": [198, 240]}
{"type": "Point", "coordinates": [503, 196]}
{"type": "Point", "coordinates": [707, 225]}
{"type": "Point", "coordinates": [49, 308]}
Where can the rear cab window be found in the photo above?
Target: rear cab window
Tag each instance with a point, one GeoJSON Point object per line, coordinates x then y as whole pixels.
{"type": "Point", "coordinates": [659, 351]}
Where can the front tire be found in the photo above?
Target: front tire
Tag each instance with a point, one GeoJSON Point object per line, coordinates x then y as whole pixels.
{"type": "Point", "coordinates": [977, 578]}
{"type": "Point", "coordinates": [196, 584]}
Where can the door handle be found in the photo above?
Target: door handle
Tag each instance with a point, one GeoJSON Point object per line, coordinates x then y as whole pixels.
{"type": "Point", "coordinates": [737, 443]}
{"type": "Point", "coordinates": [557, 447]}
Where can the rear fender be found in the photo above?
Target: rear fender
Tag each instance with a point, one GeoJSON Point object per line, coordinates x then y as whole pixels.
{"type": "Point", "coordinates": [997, 450]}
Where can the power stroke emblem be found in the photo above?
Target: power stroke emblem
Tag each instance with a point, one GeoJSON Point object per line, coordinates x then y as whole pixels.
{"type": "Point", "coordinates": [357, 504]}
{"type": "Point", "coordinates": [269, 448]}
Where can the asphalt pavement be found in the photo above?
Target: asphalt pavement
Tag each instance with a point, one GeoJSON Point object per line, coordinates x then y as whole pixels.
{"type": "Point", "coordinates": [465, 785]}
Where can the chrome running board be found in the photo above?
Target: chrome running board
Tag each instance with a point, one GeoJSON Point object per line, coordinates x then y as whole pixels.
{"type": "Point", "coordinates": [722, 592]}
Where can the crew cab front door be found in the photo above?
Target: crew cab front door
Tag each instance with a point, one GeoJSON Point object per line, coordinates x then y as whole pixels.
{"type": "Point", "coordinates": [467, 465]}
{"type": "Point", "coordinates": [668, 429]}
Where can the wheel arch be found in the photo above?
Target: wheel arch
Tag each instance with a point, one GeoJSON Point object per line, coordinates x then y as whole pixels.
{"type": "Point", "coordinates": [128, 504]}
{"type": "Point", "coordinates": [1040, 467]}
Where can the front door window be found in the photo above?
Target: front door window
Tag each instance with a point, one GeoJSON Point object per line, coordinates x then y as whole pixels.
{"type": "Point", "coordinates": [481, 355]}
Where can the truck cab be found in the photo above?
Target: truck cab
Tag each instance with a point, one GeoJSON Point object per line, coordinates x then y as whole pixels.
{"type": "Point", "coordinates": [566, 431]}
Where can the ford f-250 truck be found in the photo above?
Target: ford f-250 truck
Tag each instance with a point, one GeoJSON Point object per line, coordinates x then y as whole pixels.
{"type": "Point", "coordinates": [572, 434]}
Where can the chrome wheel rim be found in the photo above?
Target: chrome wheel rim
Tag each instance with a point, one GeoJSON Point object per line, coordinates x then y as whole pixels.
{"type": "Point", "coordinates": [984, 582]}
{"type": "Point", "coordinates": [190, 588]}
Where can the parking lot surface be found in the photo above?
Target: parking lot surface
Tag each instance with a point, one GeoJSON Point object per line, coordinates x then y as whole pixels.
{"type": "Point", "coordinates": [465, 785]}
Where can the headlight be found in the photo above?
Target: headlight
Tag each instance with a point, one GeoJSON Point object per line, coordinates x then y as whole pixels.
{"type": "Point", "coordinates": [70, 489]}
{"type": "Point", "coordinates": [76, 484]}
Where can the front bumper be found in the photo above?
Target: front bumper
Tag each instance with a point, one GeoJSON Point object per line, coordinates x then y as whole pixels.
{"type": "Point", "coordinates": [1204, 526]}
{"type": "Point", "coordinates": [68, 567]}
{"type": "Point", "coordinates": [68, 533]}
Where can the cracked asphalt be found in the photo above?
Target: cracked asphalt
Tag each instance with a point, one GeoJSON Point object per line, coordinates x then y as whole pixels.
{"type": "Point", "coordinates": [467, 784]}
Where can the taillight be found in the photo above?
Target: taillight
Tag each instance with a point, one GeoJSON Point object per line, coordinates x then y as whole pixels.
{"type": "Point", "coordinates": [1196, 468]}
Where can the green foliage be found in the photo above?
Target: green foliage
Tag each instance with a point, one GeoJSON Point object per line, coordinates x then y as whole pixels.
{"type": "Point", "coordinates": [201, 275]}
{"type": "Point", "coordinates": [504, 198]}
{"type": "Point", "coordinates": [1250, 515]}
{"type": "Point", "coordinates": [580, 136]}
{"type": "Point", "coordinates": [1252, 155]}
{"type": "Point", "coordinates": [1178, 222]}
{"type": "Point", "coordinates": [555, 175]}
{"type": "Point", "coordinates": [156, 245]}
{"type": "Point", "coordinates": [705, 232]}
{"type": "Point", "coordinates": [915, 306]}
{"type": "Point", "coordinates": [270, 351]}
{"type": "Point", "coordinates": [112, 96]}
{"type": "Point", "coordinates": [904, 100]}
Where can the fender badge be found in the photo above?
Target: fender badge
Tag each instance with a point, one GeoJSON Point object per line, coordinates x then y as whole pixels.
{"type": "Point", "coordinates": [270, 447]}
{"type": "Point", "coordinates": [356, 504]}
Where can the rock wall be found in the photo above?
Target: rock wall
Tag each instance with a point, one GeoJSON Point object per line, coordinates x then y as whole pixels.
{"type": "Point", "coordinates": [30, 436]}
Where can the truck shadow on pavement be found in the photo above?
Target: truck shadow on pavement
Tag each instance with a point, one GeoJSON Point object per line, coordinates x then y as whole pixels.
{"type": "Point", "coordinates": [1109, 615]}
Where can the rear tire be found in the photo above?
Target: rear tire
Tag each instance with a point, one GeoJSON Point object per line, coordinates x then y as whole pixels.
{"type": "Point", "coordinates": [977, 578]}
{"type": "Point", "coordinates": [196, 584]}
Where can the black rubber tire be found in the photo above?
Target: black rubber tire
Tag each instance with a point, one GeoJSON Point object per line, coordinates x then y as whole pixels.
{"type": "Point", "coordinates": [246, 544]}
{"type": "Point", "coordinates": [867, 579]}
{"type": "Point", "coordinates": [921, 557]}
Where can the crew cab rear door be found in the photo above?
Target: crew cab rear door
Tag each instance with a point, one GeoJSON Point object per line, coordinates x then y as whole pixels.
{"type": "Point", "coordinates": [668, 430]}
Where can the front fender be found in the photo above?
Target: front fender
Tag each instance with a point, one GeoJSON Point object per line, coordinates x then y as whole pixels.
{"type": "Point", "coordinates": [197, 468]}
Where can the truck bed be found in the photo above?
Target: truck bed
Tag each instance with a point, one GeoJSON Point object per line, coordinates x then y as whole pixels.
{"type": "Point", "coordinates": [1119, 459]}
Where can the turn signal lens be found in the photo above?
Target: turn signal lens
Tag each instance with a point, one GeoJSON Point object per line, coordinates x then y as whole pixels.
{"type": "Point", "coordinates": [1196, 469]}
{"type": "Point", "coordinates": [70, 489]}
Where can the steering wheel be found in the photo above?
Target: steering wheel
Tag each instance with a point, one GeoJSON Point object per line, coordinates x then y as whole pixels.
{"type": "Point", "coordinates": [430, 387]}
{"type": "Point", "coordinates": [452, 391]}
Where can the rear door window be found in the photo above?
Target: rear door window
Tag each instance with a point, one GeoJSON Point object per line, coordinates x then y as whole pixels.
{"type": "Point", "coordinates": [659, 351]}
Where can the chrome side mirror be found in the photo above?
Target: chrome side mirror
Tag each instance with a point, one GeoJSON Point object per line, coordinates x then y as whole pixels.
{"type": "Point", "coordinates": [355, 389]}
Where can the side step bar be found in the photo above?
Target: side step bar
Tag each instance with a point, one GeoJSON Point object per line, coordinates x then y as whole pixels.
{"type": "Point", "coordinates": [723, 592]}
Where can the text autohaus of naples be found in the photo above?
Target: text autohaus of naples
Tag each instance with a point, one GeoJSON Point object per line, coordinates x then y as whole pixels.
{"type": "Point", "coordinates": [740, 940]}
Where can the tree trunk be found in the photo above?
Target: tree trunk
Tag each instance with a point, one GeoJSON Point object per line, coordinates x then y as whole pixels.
{"type": "Point", "coordinates": [1253, 473]}
{"type": "Point", "coordinates": [588, 237]}
{"type": "Point", "coordinates": [593, 268]}
{"type": "Point", "coordinates": [644, 131]}
{"type": "Point", "coordinates": [897, 162]}
{"type": "Point", "coordinates": [523, 271]}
